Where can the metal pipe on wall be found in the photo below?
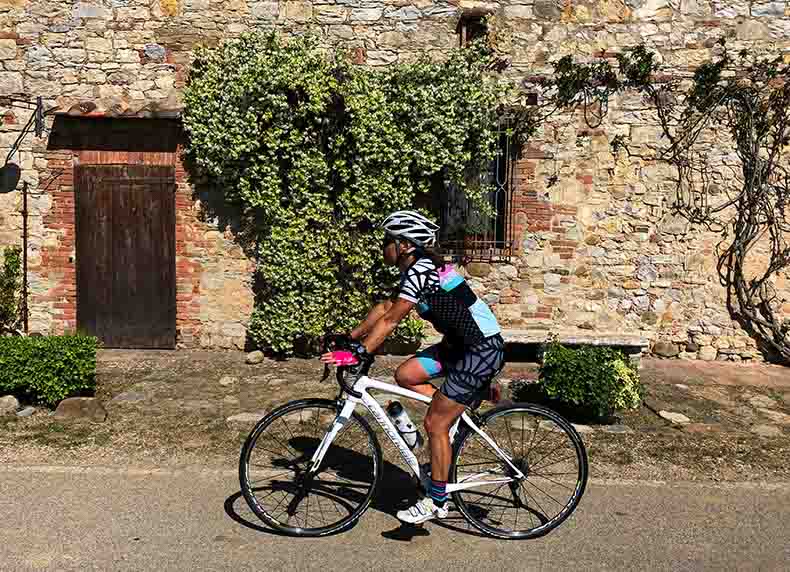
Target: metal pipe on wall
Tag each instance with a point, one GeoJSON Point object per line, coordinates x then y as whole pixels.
{"type": "Point", "coordinates": [24, 257]}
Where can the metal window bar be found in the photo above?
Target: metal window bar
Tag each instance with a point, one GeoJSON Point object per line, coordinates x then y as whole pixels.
{"type": "Point", "coordinates": [466, 234]}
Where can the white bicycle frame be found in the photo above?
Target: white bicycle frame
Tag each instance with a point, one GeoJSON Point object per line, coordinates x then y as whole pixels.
{"type": "Point", "coordinates": [362, 386]}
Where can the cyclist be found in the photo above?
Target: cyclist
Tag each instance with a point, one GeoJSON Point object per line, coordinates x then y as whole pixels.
{"type": "Point", "coordinates": [470, 355]}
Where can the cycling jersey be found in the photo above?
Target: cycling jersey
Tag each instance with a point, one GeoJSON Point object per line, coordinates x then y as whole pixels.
{"type": "Point", "coordinates": [472, 352]}
{"type": "Point", "coordinates": [444, 298]}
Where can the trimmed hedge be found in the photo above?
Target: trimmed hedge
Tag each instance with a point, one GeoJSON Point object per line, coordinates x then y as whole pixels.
{"type": "Point", "coordinates": [48, 369]}
{"type": "Point", "coordinates": [600, 379]}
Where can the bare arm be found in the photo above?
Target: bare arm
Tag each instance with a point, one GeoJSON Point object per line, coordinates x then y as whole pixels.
{"type": "Point", "coordinates": [387, 323]}
{"type": "Point", "coordinates": [375, 314]}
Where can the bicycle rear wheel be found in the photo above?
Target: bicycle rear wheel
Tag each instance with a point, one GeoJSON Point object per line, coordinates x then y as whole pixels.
{"type": "Point", "coordinates": [274, 469]}
{"type": "Point", "coordinates": [544, 447]}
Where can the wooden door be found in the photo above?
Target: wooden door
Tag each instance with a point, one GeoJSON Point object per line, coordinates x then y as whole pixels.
{"type": "Point", "coordinates": [126, 281]}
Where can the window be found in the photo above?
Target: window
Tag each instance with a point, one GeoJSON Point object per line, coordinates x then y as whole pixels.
{"type": "Point", "coordinates": [466, 234]}
{"type": "Point", "coordinates": [471, 26]}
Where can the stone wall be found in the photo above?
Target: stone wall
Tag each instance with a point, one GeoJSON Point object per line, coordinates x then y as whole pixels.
{"type": "Point", "coordinates": [598, 251]}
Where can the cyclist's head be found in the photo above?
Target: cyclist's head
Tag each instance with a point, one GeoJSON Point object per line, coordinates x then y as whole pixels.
{"type": "Point", "coordinates": [407, 231]}
{"type": "Point", "coordinates": [411, 226]}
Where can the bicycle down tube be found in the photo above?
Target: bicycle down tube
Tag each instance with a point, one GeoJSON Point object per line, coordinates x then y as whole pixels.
{"type": "Point", "coordinates": [362, 385]}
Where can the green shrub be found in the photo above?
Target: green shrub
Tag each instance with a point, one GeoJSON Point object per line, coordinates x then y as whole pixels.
{"type": "Point", "coordinates": [10, 284]}
{"type": "Point", "coordinates": [315, 152]}
{"type": "Point", "coordinates": [48, 369]}
{"type": "Point", "coordinates": [597, 378]}
{"type": "Point", "coordinates": [409, 330]}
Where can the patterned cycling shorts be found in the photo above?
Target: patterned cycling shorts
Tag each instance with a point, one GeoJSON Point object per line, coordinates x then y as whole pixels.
{"type": "Point", "coordinates": [468, 372]}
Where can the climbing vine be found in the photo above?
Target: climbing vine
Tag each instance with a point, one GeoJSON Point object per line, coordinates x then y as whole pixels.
{"type": "Point", "coordinates": [741, 102]}
{"type": "Point", "coordinates": [315, 152]}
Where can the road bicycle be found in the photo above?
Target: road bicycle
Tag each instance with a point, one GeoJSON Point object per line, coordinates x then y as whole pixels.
{"type": "Point", "coordinates": [311, 467]}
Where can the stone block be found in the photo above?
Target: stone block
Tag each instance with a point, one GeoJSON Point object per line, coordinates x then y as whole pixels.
{"type": "Point", "coordinates": [731, 8]}
{"type": "Point", "coordinates": [665, 349]}
{"type": "Point", "coordinates": [751, 30]}
{"type": "Point", "coordinates": [651, 319]}
{"type": "Point", "coordinates": [381, 57]}
{"type": "Point", "coordinates": [768, 9]}
{"type": "Point", "coordinates": [406, 14]}
{"type": "Point", "coordinates": [656, 10]}
{"type": "Point", "coordinates": [330, 14]}
{"type": "Point", "coordinates": [520, 11]}
{"type": "Point", "coordinates": [8, 405]}
{"type": "Point", "coordinates": [7, 49]}
{"type": "Point", "coordinates": [552, 280]}
{"type": "Point", "coordinates": [548, 9]}
{"type": "Point", "coordinates": [11, 83]}
{"type": "Point", "coordinates": [509, 270]}
{"type": "Point", "coordinates": [255, 357]}
{"type": "Point", "coordinates": [266, 9]}
{"type": "Point", "coordinates": [366, 14]}
{"type": "Point", "coordinates": [479, 269]}
{"type": "Point", "coordinates": [392, 39]}
{"type": "Point", "coordinates": [297, 11]}
{"type": "Point", "coordinates": [81, 408]}
{"type": "Point", "coordinates": [708, 353]}
{"type": "Point", "coordinates": [676, 418]}
{"type": "Point", "coordinates": [85, 10]}
{"type": "Point", "coordinates": [155, 52]}
{"type": "Point", "coordinates": [696, 8]}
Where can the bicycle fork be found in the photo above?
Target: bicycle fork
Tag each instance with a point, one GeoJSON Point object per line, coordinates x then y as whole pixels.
{"type": "Point", "coordinates": [340, 421]}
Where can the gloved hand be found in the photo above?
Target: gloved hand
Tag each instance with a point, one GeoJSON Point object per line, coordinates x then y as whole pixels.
{"type": "Point", "coordinates": [355, 359]}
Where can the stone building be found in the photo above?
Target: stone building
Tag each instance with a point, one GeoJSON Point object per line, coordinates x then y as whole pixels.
{"type": "Point", "coordinates": [596, 255]}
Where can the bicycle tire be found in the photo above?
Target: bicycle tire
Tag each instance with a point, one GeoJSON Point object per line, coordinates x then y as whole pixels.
{"type": "Point", "coordinates": [266, 422]}
{"type": "Point", "coordinates": [581, 483]}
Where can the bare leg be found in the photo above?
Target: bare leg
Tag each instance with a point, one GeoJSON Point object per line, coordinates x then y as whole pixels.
{"type": "Point", "coordinates": [441, 415]}
{"type": "Point", "coordinates": [411, 375]}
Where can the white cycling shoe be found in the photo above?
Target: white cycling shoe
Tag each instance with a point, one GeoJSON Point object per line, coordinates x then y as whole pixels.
{"type": "Point", "coordinates": [422, 511]}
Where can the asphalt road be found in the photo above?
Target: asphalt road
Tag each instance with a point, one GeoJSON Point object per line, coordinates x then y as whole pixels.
{"type": "Point", "coordinates": [63, 518]}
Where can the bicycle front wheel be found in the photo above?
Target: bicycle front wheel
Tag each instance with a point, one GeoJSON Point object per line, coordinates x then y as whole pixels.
{"type": "Point", "coordinates": [544, 447]}
{"type": "Point", "coordinates": [276, 477]}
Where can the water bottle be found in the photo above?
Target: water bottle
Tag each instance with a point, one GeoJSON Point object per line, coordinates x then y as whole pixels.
{"type": "Point", "coordinates": [404, 425]}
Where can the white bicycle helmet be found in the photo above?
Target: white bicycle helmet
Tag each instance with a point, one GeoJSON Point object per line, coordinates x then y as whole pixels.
{"type": "Point", "coordinates": [411, 226]}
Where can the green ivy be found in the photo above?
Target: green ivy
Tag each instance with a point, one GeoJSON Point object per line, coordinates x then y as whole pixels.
{"type": "Point", "coordinates": [600, 378]}
{"type": "Point", "coordinates": [317, 151]}
{"type": "Point", "coordinates": [409, 330]}
{"type": "Point", "coordinates": [10, 284]}
{"type": "Point", "coordinates": [47, 369]}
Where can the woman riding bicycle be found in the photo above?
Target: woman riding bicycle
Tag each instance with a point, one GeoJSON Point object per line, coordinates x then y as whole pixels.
{"type": "Point", "coordinates": [470, 355]}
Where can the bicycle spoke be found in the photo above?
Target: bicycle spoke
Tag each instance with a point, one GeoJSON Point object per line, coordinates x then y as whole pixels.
{"type": "Point", "coordinates": [555, 482]}
{"type": "Point", "coordinates": [532, 441]}
{"type": "Point", "coordinates": [270, 477]}
{"type": "Point", "coordinates": [307, 512]}
{"type": "Point", "coordinates": [510, 438]}
{"type": "Point", "coordinates": [290, 433]}
{"type": "Point", "coordinates": [543, 511]}
{"type": "Point", "coordinates": [547, 455]}
{"type": "Point", "coordinates": [544, 492]}
{"type": "Point", "coordinates": [477, 464]}
{"type": "Point", "coordinates": [285, 496]}
{"type": "Point", "coordinates": [320, 508]}
{"type": "Point", "coordinates": [557, 460]}
{"type": "Point", "coordinates": [285, 447]}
